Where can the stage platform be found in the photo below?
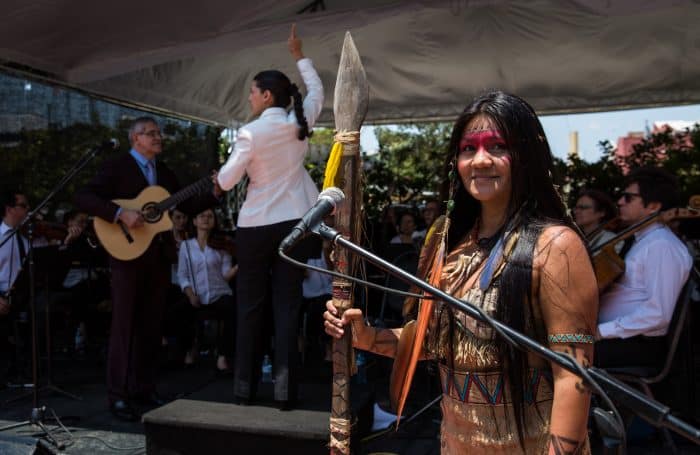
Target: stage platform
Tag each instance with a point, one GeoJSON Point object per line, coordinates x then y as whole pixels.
{"type": "Point", "coordinates": [205, 407]}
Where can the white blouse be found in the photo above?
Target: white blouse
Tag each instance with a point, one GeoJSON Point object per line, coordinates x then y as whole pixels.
{"type": "Point", "coordinates": [203, 271]}
{"type": "Point", "coordinates": [268, 150]}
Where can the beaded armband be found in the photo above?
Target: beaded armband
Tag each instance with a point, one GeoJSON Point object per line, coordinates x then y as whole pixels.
{"type": "Point", "coordinates": [570, 338]}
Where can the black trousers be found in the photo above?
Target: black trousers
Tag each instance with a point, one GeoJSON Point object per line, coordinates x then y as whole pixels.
{"type": "Point", "coordinates": [222, 309]}
{"type": "Point", "coordinates": [637, 351]}
{"type": "Point", "coordinates": [139, 289]}
{"type": "Point", "coordinates": [261, 273]}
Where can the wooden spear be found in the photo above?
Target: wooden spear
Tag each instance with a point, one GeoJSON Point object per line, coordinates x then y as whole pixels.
{"type": "Point", "coordinates": [350, 104]}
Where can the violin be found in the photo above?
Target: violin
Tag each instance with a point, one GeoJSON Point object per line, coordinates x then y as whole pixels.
{"type": "Point", "coordinates": [613, 224]}
{"type": "Point", "coordinates": [49, 230]}
{"type": "Point", "coordinates": [609, 266]}
{"type": "Point", "coordinates": [222, 241]}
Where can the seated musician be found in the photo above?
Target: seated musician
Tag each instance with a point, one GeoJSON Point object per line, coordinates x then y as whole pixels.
{"type": "Point", "coordinates": [81, 287]}
{"type": "Point", "coordinates": [12, 253]}
{"type": "Point", "coordinates": [592, 211]}
{"type": "Point", "coordinates": [204, 273]}
{"type": "Point", "coordinates": [635, 312]}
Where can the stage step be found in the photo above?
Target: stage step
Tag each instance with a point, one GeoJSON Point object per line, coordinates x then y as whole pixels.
{"type": "Point", "coordinates": [196, 427]}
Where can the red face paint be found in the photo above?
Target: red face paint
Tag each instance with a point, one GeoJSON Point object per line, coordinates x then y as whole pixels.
{"type": "Point", "coordinates": [483, 140]}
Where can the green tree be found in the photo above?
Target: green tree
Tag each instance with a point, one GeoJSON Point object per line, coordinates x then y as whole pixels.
{"type": "Point", "coordinates": [677, 152]}
{"type": "Point", "coordinates": [409, 164]}
{"type": "Point", "coordinates": [575, 174]}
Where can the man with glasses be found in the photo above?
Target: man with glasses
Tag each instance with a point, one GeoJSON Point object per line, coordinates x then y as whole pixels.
{"type": "Point", "coordinates": [15, 209]}
{"type": "Point", "coordinates": [12, 253]}
{"type": "Point", "coordinates": [636, 311]}
{"type": "Point", "coordinates": [139, 286]}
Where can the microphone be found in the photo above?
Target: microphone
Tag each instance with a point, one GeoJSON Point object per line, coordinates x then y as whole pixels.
{"type": "Point", "coordinates": [327, 201]}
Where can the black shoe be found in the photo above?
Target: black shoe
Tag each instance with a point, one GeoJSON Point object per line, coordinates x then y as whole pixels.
{"type": "Point", "coordinates": [122, 410]}
{"type": "Point", "coordinates": [151, 399]}
{"type": "Point", "coordinates": [241, 401]}
{"type": "Point", "coordinates": [286, 405]}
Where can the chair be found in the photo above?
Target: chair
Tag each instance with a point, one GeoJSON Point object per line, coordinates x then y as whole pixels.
{"type": "Point", "coordinates": [393, 303]}
{"type": "Point", "coordinates": [646, 376]}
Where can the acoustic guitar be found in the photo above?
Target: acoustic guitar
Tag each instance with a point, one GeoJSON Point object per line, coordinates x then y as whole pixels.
{"type": "Point", "coordinates": [153, 203]}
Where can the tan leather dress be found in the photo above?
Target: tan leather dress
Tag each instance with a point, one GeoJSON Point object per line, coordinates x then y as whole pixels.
{"type": "Point", "coordinates": [476, 407]}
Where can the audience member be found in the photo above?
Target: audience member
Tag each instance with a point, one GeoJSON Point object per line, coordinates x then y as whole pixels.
{"type": "Point", "coordinates": [406, 230]}
{"type": "Point", "coordinates": [430, 213]}
{"type": "Point", "coordinates": [317, 289]}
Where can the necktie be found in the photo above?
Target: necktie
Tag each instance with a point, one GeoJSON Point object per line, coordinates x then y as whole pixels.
{"type": "Point", "coordinates": [626, 246]}
{"type": "Point", "coordinates": [151, 172]}
{"type": "Point", "coordinates": [20, 246]}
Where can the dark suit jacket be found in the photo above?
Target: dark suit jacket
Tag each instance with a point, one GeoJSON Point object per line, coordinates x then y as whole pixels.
{"type": "Point", "coordinates": [121, 178]}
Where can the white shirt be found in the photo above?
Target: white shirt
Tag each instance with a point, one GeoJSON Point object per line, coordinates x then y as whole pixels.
{"type": "Point", "coordinates": [9, 257]}
{"type": "Point", "coordinates": [643, 300]}
{"type": "Point", "coordinates": [268, 150]}
{"type": "Point", "coordinates": [207, 268]}
{"type": "Point", "coordinates": [316, 283]}
{"type": "Point", "coordinates": [603, 237]}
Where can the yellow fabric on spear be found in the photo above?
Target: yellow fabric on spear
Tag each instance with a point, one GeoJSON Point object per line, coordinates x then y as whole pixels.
{"type": "Point", "coordinates": [332, 165]}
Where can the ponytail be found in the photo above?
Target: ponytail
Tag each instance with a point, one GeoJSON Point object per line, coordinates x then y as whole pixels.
{"type": "Point", "coordinates": [283, 91]}
{"type": "Point", "coordinates": [299, 113]}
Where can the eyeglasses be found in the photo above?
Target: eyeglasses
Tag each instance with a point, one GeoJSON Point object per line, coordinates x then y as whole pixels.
{"type": "Point", "coordinates": [582, 207]}
{"type": "Point", "coordinates": [152, 133]}
{"type": "Point", "coordinates": [629, 196]}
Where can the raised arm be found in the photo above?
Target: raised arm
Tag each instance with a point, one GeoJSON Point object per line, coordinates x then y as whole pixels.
{"type": "Point", "coordinates": [313, 103]}
{"type": "Point", "coordinates": [566, 288]}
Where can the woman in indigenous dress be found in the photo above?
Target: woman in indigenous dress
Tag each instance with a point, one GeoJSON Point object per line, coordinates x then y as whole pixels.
{"type": "Point", "coordinates": [512, 250]}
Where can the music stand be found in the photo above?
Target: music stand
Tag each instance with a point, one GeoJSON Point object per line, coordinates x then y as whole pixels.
{"type": "Point", "coordinates": [47, 257]}
{"type": "Point", "coordinates": [36, 416]}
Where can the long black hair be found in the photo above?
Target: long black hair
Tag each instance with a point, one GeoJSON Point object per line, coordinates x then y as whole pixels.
{"type": "Point", "coordinates": [283, 91]}
{"type": "Point", "coordinates": [534, 204]}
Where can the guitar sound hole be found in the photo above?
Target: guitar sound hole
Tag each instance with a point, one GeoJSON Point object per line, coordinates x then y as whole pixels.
{"type": "Point", "coordinates": [151, 213]}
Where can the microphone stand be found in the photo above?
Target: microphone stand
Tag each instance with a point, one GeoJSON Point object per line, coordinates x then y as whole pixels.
{"type": "Point", "coordinates": [652, 411]}
{"type": "Point", "coordinates": [36, 416]}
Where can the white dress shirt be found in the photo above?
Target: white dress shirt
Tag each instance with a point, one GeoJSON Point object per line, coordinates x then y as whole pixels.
{"type": "Point", "coordinates": [643, 300]}
{"type": "Point", "coordinates": [268, 150]}
{"type": "Point", "coordinates": [10, 263]}
{"type": "Point", "coordinates": [207, 268]}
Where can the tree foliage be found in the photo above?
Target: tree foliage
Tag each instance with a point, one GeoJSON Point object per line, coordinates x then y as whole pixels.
{"type": "Point", "coordinates": [408, 165]}
{"type": "Point", "coordinates": [677, 152]}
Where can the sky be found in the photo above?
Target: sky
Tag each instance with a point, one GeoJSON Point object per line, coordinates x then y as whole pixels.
{"type": "Point", "coordinates": [592, 128]}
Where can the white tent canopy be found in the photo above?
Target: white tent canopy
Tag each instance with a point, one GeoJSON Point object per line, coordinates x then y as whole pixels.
{"type": "Point", "coordinates": [424, 59]}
